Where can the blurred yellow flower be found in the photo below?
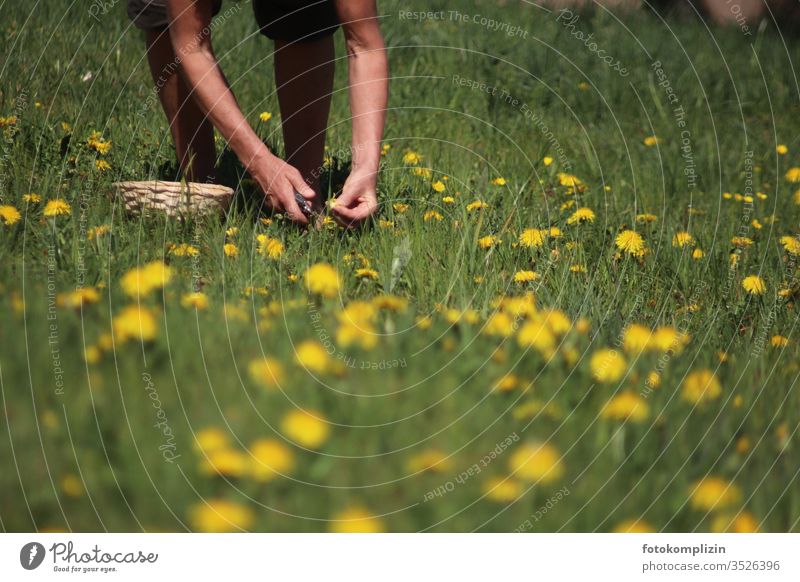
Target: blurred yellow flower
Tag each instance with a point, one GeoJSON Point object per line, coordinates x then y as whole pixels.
{"type": "Point", "coordinates": [651, 140]}
{"type": "Point", "coordinates": [743, 522]}
{"type": "Point", "coordinates": [355, 520]}
{"type": "Point", "coordinates": [607, 365]}
{"type": "Point", "coordinates": [184, 250]}
{"type": "Point", "coordinates": [371, 274]}
{"type": "Point", "coordinates": [793, 175]}
{"type": "Point", "coordinates": [136, 322]}
{"type": "Point", "coordinates": [633, 526]}
{"type": "Point", "coordinates": [230, 250]}
{"type": "Point", "coordinates": [547, 160]}
{"type": "Point", "coordinates": [269, 247]}
{"type": "Point", "coordinates": [220, 516]}
{"type": "Point", "coordinates": [502, 489]}
{"type": "Point", "coordinates": [438, 186]}
{"type": "Point", "coordinates": [312, 356]}
{"type": "Point", "coordinates": [781, 149]}
{"type": "Point", "coordinates": [270, 458]}
{"type": "Point", "coordinates": [268, 372]}
{"type": "Point", "coordinates": [196, 300]}
{"type": "Point", "coordinates": [265, 116]}
{"type": "Point", "coordinates": [499, 181]}
{"type": "Point", "coordinates": [701, 386]}
{"type": "Point", "coordinates": [211, 439]}
{"type": "Point", "coordinates": [489, 241]}
{"type": "Point", "coordinates": [791, 244]}
{"type": "Point", "coordinates": [31, 198]}
{"type": "Point", "coordinates": [323, 279]}
{"type": "Point", "coordinates": [224, 461]}
{"type": "Point", "coordinates": [140, 282]}
{"type": "Point", "coordinates": [432, 215]}
{"type": "Point", "coordinates": [713, 493]}
{"type": "Point", "coordinates": [537, 462]}
{"type": "Point", "coordinates": [636, 338]}
{"type": "Point", "coordinates": [412, 158]}
{"type": "Point", "coordinates": [72, 485]}
{"type": "Point", "coordinates": [431, 460]}
{"type": "Point", "coordinates": [626, 405]}
{"type": "Point", "coordinates": [525, 276]}
{"type": "Point", "coordinates": [306, 427]}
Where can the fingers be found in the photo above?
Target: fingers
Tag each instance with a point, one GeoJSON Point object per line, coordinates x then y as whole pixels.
{"type": "Point", "coordinates": [301, 185]}
{"type": "Point", "coordinates": [285, 194]}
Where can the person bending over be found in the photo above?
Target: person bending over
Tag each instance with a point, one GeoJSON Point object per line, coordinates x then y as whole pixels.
{"type": "Point", "coordinates": [196, 97]}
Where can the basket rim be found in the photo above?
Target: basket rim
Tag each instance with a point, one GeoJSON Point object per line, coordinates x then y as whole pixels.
{"type": "Point", "coordinates": [172, 187]}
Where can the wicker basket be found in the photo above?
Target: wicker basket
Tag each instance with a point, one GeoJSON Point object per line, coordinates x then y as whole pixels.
{"type": "Point", "coordinates": [174, 198]}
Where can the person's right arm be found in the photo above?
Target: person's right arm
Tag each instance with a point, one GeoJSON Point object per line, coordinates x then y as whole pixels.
{"type": "Point", "coordinates": [188, 19]}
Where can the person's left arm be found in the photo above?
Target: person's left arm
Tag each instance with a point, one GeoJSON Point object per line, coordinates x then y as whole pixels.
{"type": "Point", "coordinates": [369, 94]}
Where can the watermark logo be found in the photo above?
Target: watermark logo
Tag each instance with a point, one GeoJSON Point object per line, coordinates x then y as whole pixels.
{"type": "Point", "coordinates": [31, 555]}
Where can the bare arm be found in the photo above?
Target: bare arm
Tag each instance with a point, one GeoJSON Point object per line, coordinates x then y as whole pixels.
{"type": "Point", "coordinates": [189, 19]}
{"type": "Point", "coordinates": [369, 93]}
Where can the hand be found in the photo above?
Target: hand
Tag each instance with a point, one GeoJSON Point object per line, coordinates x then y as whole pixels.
{"type": "Point", "coordinates": [358, 200]}
{"type": "Point", "coordinates": [279, 180]}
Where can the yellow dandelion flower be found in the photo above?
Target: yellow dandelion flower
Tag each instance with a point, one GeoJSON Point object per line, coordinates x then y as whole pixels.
{"type": "Point", "coordinates": [306, 427]}
{"type": "Point", "coordinates": [607, 365]}
{"type": "Point", "coordinates": [667, 338]}
{"type": "Point", "coordinates": [31, 198]}
{"type": "Point", "coordinates": [269, 458]}
{"type": "Point", "coordinates": [438, 186]}
{"type": "Point", "coordinates": [547, 160]}
{"type": "Point", "coordinates": [225, 462]}
{"type": "Point", "coordinates": [489, 241]}
{"type": "Point", "coordinates": [525, 276]}
{"type": "Point", "coordinates": [781, 149]}
{"type": "Point", "coordinates": [537, 462]}
{"type": "Point", "coordinates": [683, 239]}
{"type": "Point", "coordinates": [499, 181]}
{"type": "Point", "coordinates": [636, 338]}
{"type": "Point", "coordinates": [743, 522]}
{"type": "Point", "coordinates": [476, 205]}
{"type": "Point", "coordinates": [312, 356]}
{"type": "Point", "coordinates": [432, 215]}
{"type": "Point", "coordinates": [356, 520]}
{"type": "Point", "coordinates": [754, 285]}
{"type": "Point", "coordinates": [701, 386]}
{"type": "Point", "coordinates": [412, 158]}
{"type": "Point", "coordinates": [230, 250]}
{"type": "Point", "coordinates": [78, 298]}
{"type": "Point", "coordinates": [57, 207]}
{"type": "Point", "coordinates": [581, 215]}
{"type": "Point", "coordinates": [532, 237]}
{"type": "Point", "coordinates": [135, 322]}
{"type": "Point", "coordinates": [184, 250]}
{"type": "Point", "coordinates": [791, 244]}
{"type": "Point", "coordinates": [448, 200]}
{"type": "Point", "coordinates": [569, 180]}
{"type": "Point", "coordinates": [9, 214]}
{"type": "Point", "coordinates": [269, 247]}
{"type": "Point", "coordinates": [651, 140]}
{"type": "Point", "coordinates": [265, 116]}
{"type": "Point", "coordinates": [630, 242]}
{"type": "Point", "coordinates": [98, 232]}
{"type": "Point", "coordinates": [322, 279]}
{"type": "Point", "coordinates": [779, 341]}
{"type": "Point", "coordinates": [211, 439]}
{"type": "Point", "coordinates": [140, 282]}
{"type": "Point", "coordinates": [220, 516]}
{"type": "Point", "coordinates": [646, 218]}
{"type": "Point", "coordinates": [793, 175]}
{"type": "Point", "coordinates": [502, 489]}
{"type": "Point", "coordinates": [367, 274]}
{"type": "Point", "coordinates": [102, 165]}
{"type": "Point", "coordinates": [698, 254]}
{"type": "Point", "coordinates": [626, 406]}
{"type": "Point", "coordinates": [507, 383]}
{"type": "Point", "coordinates": [713, 493]}
{"type": "Point", "coordinates": [400, 207]}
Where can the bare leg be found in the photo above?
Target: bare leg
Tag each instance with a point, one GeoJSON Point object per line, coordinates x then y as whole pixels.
{"type": "Point", "coordinates": [304, 79]}
{"type": "Point", "coordinates": [192, 133]}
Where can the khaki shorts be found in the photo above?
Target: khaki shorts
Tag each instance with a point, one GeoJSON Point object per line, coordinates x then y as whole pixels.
{"type": "Point", "coordinates": [289, 20]}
